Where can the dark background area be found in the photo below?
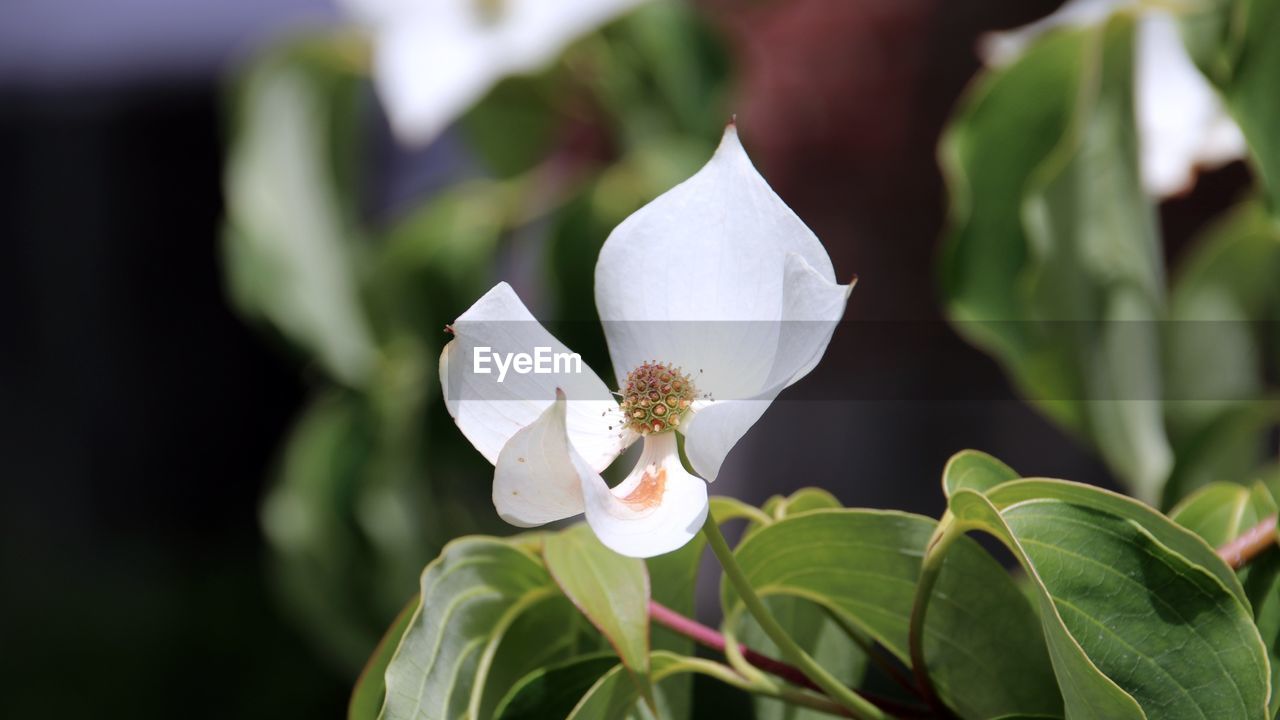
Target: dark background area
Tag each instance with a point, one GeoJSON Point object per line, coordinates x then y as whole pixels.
{"type": "Point", "coordinates": [140, 414]}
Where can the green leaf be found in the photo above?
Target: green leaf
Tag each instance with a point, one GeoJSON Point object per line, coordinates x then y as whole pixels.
{"type": "Point", "coordinates": [1178, 540]}
{"type": "Point", "coordinates": [552, 692]}
{"type": "Point", "coordinates": [289, 239]}
{"type": "Point", "coordinates": [612, 591]}
{"type": "Point", "coordinates": [1222, 511]}
{"type": "Point", "coordinates": [615, 695]}
{"type": "Point", "coordinates": [1233, 42]}
{"type": "Point", "coordinates": [1219, 512]}
{"type": "Point", "coordinates": [974, 470]}
{"type": "Point", "coordinates": [490, 614]}
{"type": "Point", "coordinates": [1141, 617]}
{"type": "Point", "coordinates": [800, 501]}
{"type": "Point", "coordinates": [371, 689]}
{"type": "Point", "coordinates": [863, 565]}
{"type": "Point", "coordinates": [1053, 263]}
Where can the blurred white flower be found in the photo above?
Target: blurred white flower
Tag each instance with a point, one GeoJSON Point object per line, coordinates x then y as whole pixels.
{"type": "Point", "coordinates": [1181, 121]}
{"type": "Point", "coordinates": [714, 297]}
{"type": "Point", "coordinates": [433, 59]}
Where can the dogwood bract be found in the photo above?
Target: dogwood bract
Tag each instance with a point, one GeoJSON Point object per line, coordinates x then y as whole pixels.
{"type": "Point", "coordinates": [433, 59]}
{"type": "Point", "coordinates": [714, 298]}
{"type": "Point", "coordinates": [1182, 123]}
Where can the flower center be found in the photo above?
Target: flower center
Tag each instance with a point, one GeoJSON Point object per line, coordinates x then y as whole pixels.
{"type": "Point", "coordinates": [655, 398]}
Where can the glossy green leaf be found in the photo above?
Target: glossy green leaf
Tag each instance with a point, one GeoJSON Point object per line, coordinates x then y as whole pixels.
{"type": "Point", "coordinates": [371, 689]}
{"type": "Point", "coordinates": [553, 692]}
{"type": "Point", "coordinates": [490, 614]}
{"type": "Point", "coordinates": [1220, 512]}
{"type": "Point", "coordinates": [615, 695]}
{"type": "Point", "coordinates": [289, 238]}
{"type": "Point", "coordinates": [612, 591]}
{"type": "Point", "coordinates": [1179, 541]}
{"type": "Point", "coordinates": [1053, 263]}
{"type": "Point", "coordinates": [863, 565]}
{"type": "Point", "coordinates": [1141, 618]}
{"type": "Point", "coordinates": [974, 470]}
{"type": "Point", "coordinates": [802, 500]}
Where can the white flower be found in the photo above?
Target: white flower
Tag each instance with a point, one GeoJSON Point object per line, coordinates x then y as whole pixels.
{"type": "Point", "coordinates": [714, 297]}
{"type": "Point", "coordinates": [1181, 121]}
{"type": "Point", "coordinates": [433, 59]}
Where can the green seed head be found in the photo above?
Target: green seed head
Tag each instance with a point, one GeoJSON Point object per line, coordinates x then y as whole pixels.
{"type": "Point", "coordinates": [656, 398]}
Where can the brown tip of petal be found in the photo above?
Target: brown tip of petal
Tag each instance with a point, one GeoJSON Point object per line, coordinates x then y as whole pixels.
{"type": "Point", "coordinates": [853, 281]}
{"type": "Point", "coordinates": [559, 394]}
{"type": "Point", "coordinates": [449, 329]}
{"type": "Point", "coordinates": [733, 121]}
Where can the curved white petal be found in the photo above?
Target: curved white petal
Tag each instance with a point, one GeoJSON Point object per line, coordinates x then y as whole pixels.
{"type": "Point", "coordinates": [534, 480]}
{"type": "Point", "coordinates": [490, 408]}
{"type": "Point", "coordinates": [1003, 47]}
{"type": "Point", "coordinates": [657, 509]}
{"type": "Point", "coordinates": [696, 277]}
{"type": "Point", "coordinates": [1181, 119]}
{"type": "Point", "coordinates": [535, 31]}
{"type": "Point", "coordinates": [812, 307]}
{"type": "Point", "coordinates": [433, 60]}
{"type": "Point", "coordinates": [428, 73]}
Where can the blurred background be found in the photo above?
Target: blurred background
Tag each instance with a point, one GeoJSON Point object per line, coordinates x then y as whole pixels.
{"type": "Point", "coordinates": [204, 515]}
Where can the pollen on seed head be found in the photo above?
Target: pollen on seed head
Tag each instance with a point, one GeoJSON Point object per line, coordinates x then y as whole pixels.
{"type": "Point", "coordinates": [657, 398]}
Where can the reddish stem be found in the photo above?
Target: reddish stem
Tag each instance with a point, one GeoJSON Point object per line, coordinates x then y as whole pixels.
{"type": "Point", "coordinates": [704, 635]}
{"type": "Point", "coordinates": [1246, 547]}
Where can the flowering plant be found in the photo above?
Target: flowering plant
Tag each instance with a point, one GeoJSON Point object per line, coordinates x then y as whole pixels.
{"type": "Point", "coordinates": [713, 297]}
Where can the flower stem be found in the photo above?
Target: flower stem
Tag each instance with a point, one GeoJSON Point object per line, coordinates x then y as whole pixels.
{"type": "Point", "coordinates": [946, 533]}
{"type": "Point", "coordinates": [710, 638]}
{"type": "Point", "coordinates": [859, 706]}
{"type": "Point", "coordinates": [1250, 543]}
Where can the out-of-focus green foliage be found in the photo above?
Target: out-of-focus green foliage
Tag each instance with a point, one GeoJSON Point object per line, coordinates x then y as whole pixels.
{"type": "Point", "coordinates": [293, 256]}
{"type": "Point", "coordinates": [1053, 262]}
{"type": "Point", "coordinates": [1053, 265]}
{"type": "Point", "coordinates": [1233, 43]}
{"type": "Point", "coordinates": [1225, 326]}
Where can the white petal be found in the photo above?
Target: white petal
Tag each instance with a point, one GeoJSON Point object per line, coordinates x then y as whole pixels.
{"type": "Point", "coordinates": [1003, 47]}
{"type": "Point", "coordinates": [1181, 119]}
{"type": "Point", "coordinates": [657, 509]}
{"type": "Point", "coordinates": [813, 306]}
{"type": "Point", "coordinates": [695, 278]}
{"type": "Point", "coordinates": [534, 481]}
{"type": "Point", "coordinates": [429, 73]}
{"type": "Point", "coordinates": [434, 60]}
{"type": "Point", "coordinates": [535, 31]}
{"type": "Point", "coordinates": [489, 411]}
